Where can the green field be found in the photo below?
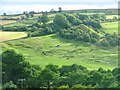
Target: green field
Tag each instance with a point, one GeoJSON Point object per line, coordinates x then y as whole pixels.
{"type": "Point", "coordinates": [111, 16]}
{"type": "Point", "coordinates": [22, 23]}
{"type": "Point", "coordinates": [43, 50]}
{"type": "Point", "coordinates": [110, 27]}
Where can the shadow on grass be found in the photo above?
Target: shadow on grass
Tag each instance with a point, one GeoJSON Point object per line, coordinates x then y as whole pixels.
{"type": "Point", "coordinates": [72, 41]}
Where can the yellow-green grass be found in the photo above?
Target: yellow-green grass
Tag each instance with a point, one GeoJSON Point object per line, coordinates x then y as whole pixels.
{"type": "Point", "coordinates": [4, 36]}
{"type": "Point", "coordinates": [11, 16]}
{"type": "Point", "coordinates": [111, 16]}
{"type": "Point", "coordinates": [4, 22]}
{"type": "Point", "coordinates": [44, 50]}
{"type": "Point", "coordinates": [22, 23]}
{"type": "Point", "coordinates": [110, 27]}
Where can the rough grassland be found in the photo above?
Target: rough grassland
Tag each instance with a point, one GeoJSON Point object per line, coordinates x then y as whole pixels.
{"type": "Point", "coordinates": [110, 27]}
{"type": "Point", "coordinates": [111, 16]}
{"type": "Point", "coordinates": [44, 50]}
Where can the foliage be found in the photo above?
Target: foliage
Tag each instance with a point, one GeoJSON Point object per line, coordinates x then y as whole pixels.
{"type": "Point", "coordinates": [16, 28]}
{"type": "Point", "coordinates": [44, 18]}
{"type": "Point", "coordinates": [61, 21]}
{"type": "Point", "coordinates": [9, 85]}
{"type": "Point", "coordinates": [94, 24]}
{"type": "Point", "coordinates": [14, 66]}
{"type": "Point", "coordinates": [73, 76]}
{"type": "Point", "coordinates": [110, 40]}
{"type": "Point", "coordinates": [79, 34]}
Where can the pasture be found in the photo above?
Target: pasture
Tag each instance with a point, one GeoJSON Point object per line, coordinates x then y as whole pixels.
{"type": "Point", "coordinates": [111, 16]}
{"type": "Point", "coordinates": [43, 50]}
{"type": "Point", "coordinates": [110, 27]}
{"type": "Point", "coordinates": [4, 36]}
{"type": "Point", "coordinates": [5, 22]}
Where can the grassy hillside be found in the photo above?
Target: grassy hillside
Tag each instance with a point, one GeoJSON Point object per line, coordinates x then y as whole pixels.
{"type": "Point", "coordinates": [110, 27]}
{"type": "Point", "coordinates": [56, 50]}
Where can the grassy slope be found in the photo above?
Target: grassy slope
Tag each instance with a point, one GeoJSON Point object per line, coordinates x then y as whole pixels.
{"type": "Point", "coordinates": [111, 16]}
{"type": "Point", "coordinates": [43, 50]}
{"type": "Point", "coordinates": [110, 27]}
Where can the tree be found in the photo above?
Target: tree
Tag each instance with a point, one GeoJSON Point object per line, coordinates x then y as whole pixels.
{"type": "Point", "coordinates": [9, 85]}
{"type": "Point", "coordinates": [48, 30]}
{"type": "Point", "coordinates": [4, 14]}
{"type": "Point", "coordinates": [96, 16]}
{"type": "Point", "coordinates": [44, 19]}
{"type": "Point", "coordinates": [77, 22]}
{"type": "Point", "coordinates": [49, 76]}
{"type": "Point", "coordinates": [14, 66]}
{"type": "Point", "coordinates": [114, 18]}
{"type": "Point", "coordinates": [61, 21]}
{"type": "Point", "coordinates": [22, 17]}
{"type": "Point", "coordinates": [27, 15]}
{"type": "Point", "coordinates": [31, 13]}
{"type": "Point", "coordinates": [60, 9]}
{"type": "Point", "coordinates": [86, 37]}
{"type": "Point", "coordinates": [108, 81]}
{"type": "Point", "coordinates": [95, 77]}
{"type": "Point", "coordinates": [70, 18]}
{"type": "Point", "coordinates": [93, 40]}
{"type": "Point", "coordinates": [84, 17]}
{"type": "Point", "coordinates": [94, 24]}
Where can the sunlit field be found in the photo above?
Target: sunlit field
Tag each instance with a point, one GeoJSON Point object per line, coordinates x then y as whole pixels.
{"type": "Point", "coordinates": [4, 36]}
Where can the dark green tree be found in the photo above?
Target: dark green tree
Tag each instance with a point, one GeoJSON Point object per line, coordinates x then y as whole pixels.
{"type": "Point", "coordinates": [44, 19]}
{"type": "Point", "coordinates": [14, 67]}
{"type": "Point", "coordinates": [61, 21]}
{"type": "Point", "coordinates": [60, 9]}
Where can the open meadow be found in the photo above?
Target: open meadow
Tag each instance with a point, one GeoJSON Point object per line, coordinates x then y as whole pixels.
{"type": "Point", "coordinates": [110, 27]}
{"type": "Point", "coordinates": [4, 36]}
{"type": "Point", "coordinates": [43, 50]}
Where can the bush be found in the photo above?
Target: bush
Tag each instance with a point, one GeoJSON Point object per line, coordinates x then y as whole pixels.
{"type": "Point", "coordinates": [61, 21]}
{"type": "Point", "coordinates": [86, 37]}
{"type": "Point", "coordinates": [94, 24]}
{"type": "Point", "coordinates": [64, 87]}
{"type": "Point", "coordinates": [39, 32]}
{"type": "Point", "coordinates": [9, 85]}
{"type": "Point", "coordinates": [78, 86]}
{"type": "Point", "coordinates": [93, 40]}
{"type": "Point", "coordinates": [48, 30]}
{"type": "Point", "coordinates": [104, 43]}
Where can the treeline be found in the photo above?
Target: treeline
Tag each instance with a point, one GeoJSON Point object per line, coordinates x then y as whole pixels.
{"type": "Point", "coordinates": [18, 73]}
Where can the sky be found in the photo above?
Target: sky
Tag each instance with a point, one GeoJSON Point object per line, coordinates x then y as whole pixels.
{"type": "Point", "coordinates": [18, 6]}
